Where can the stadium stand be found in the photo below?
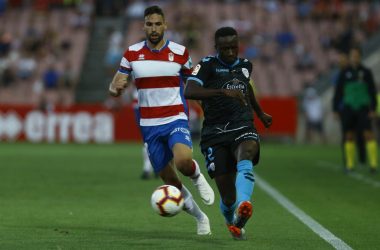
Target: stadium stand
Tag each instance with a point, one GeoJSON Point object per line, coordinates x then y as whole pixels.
{"type": "Point", "coordinates": [38, 37]}
{"type": "Point", "coordinates": [290, 43]}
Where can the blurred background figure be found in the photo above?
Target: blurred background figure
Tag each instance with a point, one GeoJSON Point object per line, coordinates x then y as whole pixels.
{"type": "Point", "coordinates": [312, 106]}
{"type": "Point", "coordinates": [357, 90]}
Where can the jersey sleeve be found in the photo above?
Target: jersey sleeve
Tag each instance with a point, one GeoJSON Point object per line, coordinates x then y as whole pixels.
{"type": "Point", "coordinates": [202, 71]}
{"type": "Point", "coordinates": [187, 68]}
{"type": "Point", "coordinates": [125, 65]}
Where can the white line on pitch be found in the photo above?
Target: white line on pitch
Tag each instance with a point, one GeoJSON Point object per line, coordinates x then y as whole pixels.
{"type": "Point", "coordinates": [302, 216]}
{"type": "Point", "coordinates": [359, 177]}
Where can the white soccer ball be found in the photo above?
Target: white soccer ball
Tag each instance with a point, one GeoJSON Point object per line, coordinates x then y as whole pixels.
{"type": "Point", "coordinates": [167, 200]}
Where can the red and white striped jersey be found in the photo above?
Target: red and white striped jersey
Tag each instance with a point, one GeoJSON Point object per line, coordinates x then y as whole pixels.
{"type": "Point", "coordinates": [158, 75]}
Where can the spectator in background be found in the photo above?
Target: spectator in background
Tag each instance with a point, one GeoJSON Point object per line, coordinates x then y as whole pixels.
{"type": "Point", "coordinates": [306, 58]}
{"type": "Point", "coordinates": [285, 38]}
{"type": "Point", "coordinates": [26, 66]}
{"type": "Point", "coordinates": [79, 20]}
{"type": "Point", "coordinates": [5, 43]}
{"type": "Point", "coordinates": [7, 77]}
{"type": "Point", "coordinates": [32, 38]}
{"type": "Point", "coordinates": [114, 52]}
{"type": "Point", "coordinates": [304, 8]}
{"type": "Point", "coordinates": [69, 77]}
{"type": "Point", "coordinates": [2, 6]}
{"type": "Point", "coordinates": [312, 107]}
{"type": "Point", "coordinates": [51, 78]}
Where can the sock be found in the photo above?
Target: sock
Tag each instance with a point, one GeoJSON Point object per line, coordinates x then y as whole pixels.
{"type": "Point", "coordinates": [190, 206]}
{"type": "Point", "coordinates": [147, 167]}
{"type": "Point", "coordinates": [372, 153]}
{"type": "Point", "coordinates": [228, 212]}
{"type": "Point", "coordinates": [349, 154]}
{"type": "Point", "coordinates": [244, 181]}
{"type": "Point", "coordinates": [196, 171]}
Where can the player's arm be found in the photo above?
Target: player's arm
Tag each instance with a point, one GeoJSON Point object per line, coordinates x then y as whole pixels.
{"type": "Point", "coordinates": [338, 95]}
{"type": "Point", "coordinates": [266, 119]}
{"type": "Point", "coordinates": [118, 84]}
{"type": "Point", "coordinates": [372, 92]}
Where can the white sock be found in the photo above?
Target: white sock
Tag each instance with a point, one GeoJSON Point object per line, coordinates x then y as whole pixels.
{"type": "Point", "coordinates": [197, 171]}
{"type": "Point", "coordinates": [190, 206]}
{"type": "Point", "coordinates": [147, 167]}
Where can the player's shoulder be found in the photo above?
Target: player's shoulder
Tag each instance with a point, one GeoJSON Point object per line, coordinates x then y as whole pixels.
{"type": "Point", "coordinates": [245, 61]}
{"type": "Point", "coordinates": [137, 46]}
{"type": "Point", "coordinates": [208, 59]}
{"type": "Point", "coordinates": [177, 48]}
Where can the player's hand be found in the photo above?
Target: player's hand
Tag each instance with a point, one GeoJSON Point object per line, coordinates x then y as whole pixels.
{"type": "Point", "coordinates": [121, 85]}
{"type": "Point", "coordinates": [267, 120]}
{"type": "Point", "coordinates": [372, 115]}
{"type": "Point", "coordinates": [237, 94]}
{"type": "Point", "coordinates": [336, 116]}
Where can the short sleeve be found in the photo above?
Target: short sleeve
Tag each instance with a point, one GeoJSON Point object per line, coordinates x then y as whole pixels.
{"type": "Point", "coordinates": [187, 68]}
{"type": "Point", "coordinates": [202, 71]}
{"type": "Point", "coordinates": [125, 65]}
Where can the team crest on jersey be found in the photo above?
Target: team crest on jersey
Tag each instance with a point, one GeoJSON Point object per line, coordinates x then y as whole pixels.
{"type": "Point", "coordinates": [171, 56]}
{"type": "Point", "coordinates": [245, 72]}
{"type": "Point", "coordinates": [141, 57]}
{"type": "Point", "coordinates": [195, 72]}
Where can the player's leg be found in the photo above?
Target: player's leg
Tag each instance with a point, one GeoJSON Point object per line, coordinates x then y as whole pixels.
{"type": "Point", "coordinates": [245, 154]}
{"type": "Point", "coordinates": [349, 123]}
{"type": "Point", "coordinates": [360, 144]}
{"type": "Point", "coordinates": [181, 146]}
{"type": "Point", "coordinates": [365, 124]}
{"type": "Point", "coordinates": [349, 149]}
{"type": "Point", "coordinates": [227, 190]}
{"type": "Point", "coordinates": [170, 177]}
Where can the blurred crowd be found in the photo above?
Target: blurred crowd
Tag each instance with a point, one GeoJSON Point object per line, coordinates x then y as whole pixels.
{"type": "Point", "coordinates": [35, 54]}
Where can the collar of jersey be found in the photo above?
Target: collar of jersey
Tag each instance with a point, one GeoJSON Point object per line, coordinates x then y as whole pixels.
{"type": "Point", "coordinates": [228, 65]}
{"type": "Point", "coordinates": [155, 50]}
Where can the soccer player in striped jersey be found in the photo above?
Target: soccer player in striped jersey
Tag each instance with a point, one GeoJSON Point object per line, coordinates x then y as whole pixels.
{"type": "Point", "coordinates": [159, 67]}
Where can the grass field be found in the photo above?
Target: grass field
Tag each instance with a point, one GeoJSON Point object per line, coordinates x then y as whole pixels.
{"type": "Point", "coordinates": [91, 197]}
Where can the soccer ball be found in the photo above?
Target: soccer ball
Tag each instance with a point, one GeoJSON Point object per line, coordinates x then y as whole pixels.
{"type": "Point", "coordinates": [167, 200]}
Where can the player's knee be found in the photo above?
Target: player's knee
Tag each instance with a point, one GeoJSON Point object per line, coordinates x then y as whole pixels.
{"type": "Point", "coordinates": [228, 201]}
{"type": "Point", "coordinates": [248, 152]}
{"type": "Point", "coordinates": [368, 136]}
{"type": "Point", "coordinates": [184, 165]}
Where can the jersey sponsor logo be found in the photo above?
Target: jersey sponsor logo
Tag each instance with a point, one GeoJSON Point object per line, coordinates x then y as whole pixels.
{"type": "Point", "coordinates": [245, 72]}
{"type": "Point", "coordinates": [247, 135]}
{"type": "Point", "coordinates": [197, 68]}
{"type": "Point", "coordinates": [222, 70]}
{"type": "Point", "coordinates": [171, 56]}
{"type": "Point", "coordinates": [141, 57]}
{"type": "Point", "coordinates": [183, 130]}
{"type": "Point", "coordinates": [235, 84]}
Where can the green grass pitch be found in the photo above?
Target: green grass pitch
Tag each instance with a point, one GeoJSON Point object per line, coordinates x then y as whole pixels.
{"type": "Point", "coordinates": [91, 197]}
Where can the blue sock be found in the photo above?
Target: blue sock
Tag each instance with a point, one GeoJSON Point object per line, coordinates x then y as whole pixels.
{"type": "Point", "coordinates": [244, 181]}
{"type": "Point", "coordinates": [228, 212]}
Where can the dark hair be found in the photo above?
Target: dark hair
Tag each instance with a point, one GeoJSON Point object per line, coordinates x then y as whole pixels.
{"type": "Point", "coordinates": [224, 31]}
{"type": "Point", "coordinates": [358, 49]}
{"type": "Point", "coordinates": [154, 10]}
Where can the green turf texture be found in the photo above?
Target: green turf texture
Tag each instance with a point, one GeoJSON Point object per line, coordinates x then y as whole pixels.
{"type": "Point", "coordinates": [71, 196]}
